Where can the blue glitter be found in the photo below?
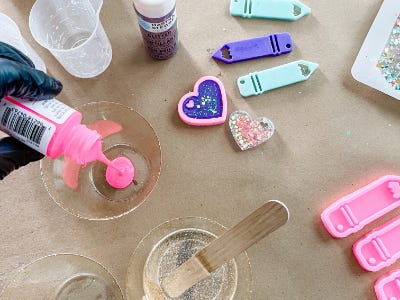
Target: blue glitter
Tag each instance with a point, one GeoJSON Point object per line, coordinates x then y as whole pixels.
{"type": "Point", "coordinates": [208, 104]}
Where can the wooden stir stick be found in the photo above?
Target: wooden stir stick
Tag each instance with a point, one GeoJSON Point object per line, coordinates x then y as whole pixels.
{"type": "Point", "coordinates": [250, 230]}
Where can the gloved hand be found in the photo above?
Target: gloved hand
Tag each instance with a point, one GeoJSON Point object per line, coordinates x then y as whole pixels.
{"type": "Point", "coordinates": [20, 79]}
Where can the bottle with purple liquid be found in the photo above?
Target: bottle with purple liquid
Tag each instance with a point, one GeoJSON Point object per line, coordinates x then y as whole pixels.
{"type": "Point", "coordinates": [158, 25]}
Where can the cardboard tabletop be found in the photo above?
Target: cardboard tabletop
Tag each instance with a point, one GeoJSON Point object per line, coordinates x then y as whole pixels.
{"type": "Point", "coordinates": [333, 136]}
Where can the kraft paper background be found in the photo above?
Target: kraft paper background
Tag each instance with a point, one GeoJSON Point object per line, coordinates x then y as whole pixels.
{"type": "Point", "coordinates": [333, 136]}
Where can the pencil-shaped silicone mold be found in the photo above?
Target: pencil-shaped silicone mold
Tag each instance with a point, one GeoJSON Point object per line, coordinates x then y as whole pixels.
{"type": "Point", "coordinates": [257, 83]}
{"type": "Point", "coordinates": [270, 45]}
{"type": "Point", "coordinates": [379, 248]}
{"type": "Point", "coordinates": [352, 212]}
{"type": "Point", "coordinates": [289, 10]}
{"type": "Point", "coordinates": [387, 287]}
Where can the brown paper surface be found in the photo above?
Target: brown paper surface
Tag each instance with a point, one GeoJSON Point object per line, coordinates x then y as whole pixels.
{"type": "Point", "coordinates": [333, 136]}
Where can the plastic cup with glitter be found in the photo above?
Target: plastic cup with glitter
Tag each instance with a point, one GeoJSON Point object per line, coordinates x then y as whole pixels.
{"type": "Point", "coordinates": [71, 30]}
{"type": "Point", "coordinates": [171, 244]}
{"type": "Point", "coordinates": [63, 277]}
{"type": "Point", "coordinates": [10, 34]}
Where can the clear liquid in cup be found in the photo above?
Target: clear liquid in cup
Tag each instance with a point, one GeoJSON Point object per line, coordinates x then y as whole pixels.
{"type": "Point", "coordinates": [174, 250]}
{"type": "Point", "coordinates": [85, 287]}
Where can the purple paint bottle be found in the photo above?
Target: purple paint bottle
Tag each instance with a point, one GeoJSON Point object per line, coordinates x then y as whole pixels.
{"type": "Point", "coordinates": [158, 25]}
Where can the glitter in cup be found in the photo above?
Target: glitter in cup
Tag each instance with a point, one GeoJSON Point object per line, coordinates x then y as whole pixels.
{"type": "Point", "coordinates": [171, 244]}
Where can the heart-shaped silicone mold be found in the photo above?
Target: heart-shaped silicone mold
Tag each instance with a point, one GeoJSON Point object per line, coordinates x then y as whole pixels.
{"type": "Point", "coordinates": [249, 133]}
{"type": "Point", "coordinates": [206, 105]}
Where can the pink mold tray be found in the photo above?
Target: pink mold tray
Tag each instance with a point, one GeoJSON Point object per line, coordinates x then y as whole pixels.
{"type": "Point", "coordinates": [352, 212]}
{"type": "Point", "coordinates": [379, 248]}
{"type": "Point", "coordinates": [387, 287]}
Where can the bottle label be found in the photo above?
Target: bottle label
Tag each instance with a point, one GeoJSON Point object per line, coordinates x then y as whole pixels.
{"type": "Point", "coordinates": [52, 109]}
{"type": "Point", "coordinates": [160, 35]}
{"type": "Point", "coordinates": [157, 25]}
{"type": "Point", "coordinates": [25, 126]}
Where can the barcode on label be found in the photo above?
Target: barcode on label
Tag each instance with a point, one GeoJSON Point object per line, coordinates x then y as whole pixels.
{"type": "Point", "coordinates": [22, 124]}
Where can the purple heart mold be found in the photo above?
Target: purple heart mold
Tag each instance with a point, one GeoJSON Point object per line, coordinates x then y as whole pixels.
{"type": "Point", "coordinates": [206, 105]}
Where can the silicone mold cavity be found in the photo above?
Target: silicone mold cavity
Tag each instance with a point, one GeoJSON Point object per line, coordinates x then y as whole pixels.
{"type": "Point", "coordinates": [352, 212]}
{"type": "Point", "coordinates": [379, 248]}
{"type": "Point", "coordinates": [387, 287]}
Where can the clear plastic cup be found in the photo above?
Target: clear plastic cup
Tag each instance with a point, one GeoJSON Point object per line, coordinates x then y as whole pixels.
{"type": "Point", "coordinates": [169, 245]}
{"type": "Point", "coordinates": [10, 34]}
{"type": "Point", "coordinates": [86, 192]}
{"type": "Point", "coordinates": [71, 30]}
{"type": "Point", "coordinates": [63, 277]}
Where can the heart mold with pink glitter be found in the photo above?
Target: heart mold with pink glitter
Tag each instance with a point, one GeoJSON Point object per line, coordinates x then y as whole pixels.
{"type": "Point", "coordinates": [250, 133]}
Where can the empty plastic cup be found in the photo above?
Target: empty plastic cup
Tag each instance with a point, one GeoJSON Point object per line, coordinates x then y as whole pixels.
{"type": "Point", "coordinates": [71, 30]}
{"type": "Point", "coordinates": [10, 34]}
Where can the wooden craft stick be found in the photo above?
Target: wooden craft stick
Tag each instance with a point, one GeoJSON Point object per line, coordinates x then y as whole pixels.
{"type": "Point", "coordinates": [250, 230]}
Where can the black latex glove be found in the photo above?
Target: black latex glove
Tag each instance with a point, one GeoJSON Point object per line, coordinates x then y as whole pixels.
{"type": "Point", "coordinates": [20, 79]}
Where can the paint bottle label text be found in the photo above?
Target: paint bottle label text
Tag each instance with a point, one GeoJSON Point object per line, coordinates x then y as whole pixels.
{"type": "Point", "coordinates": [25, 126]}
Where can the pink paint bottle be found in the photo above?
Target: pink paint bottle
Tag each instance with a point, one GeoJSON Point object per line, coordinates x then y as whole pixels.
{"type": "Point", "coordinates": [53, 128]}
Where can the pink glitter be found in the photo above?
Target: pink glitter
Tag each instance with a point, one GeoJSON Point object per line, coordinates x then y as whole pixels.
{"type": "Point", "coordinates": [250, 133]}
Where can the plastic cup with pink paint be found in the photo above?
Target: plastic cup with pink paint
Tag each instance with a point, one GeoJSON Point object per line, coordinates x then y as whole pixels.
{"type": "Point", "coordinates": [120, 179]}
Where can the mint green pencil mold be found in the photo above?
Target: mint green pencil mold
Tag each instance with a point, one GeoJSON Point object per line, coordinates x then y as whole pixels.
{"type": "Point", "coordinates": [260, 82]}
{"type": "Point", "coordinates": [289, 10]}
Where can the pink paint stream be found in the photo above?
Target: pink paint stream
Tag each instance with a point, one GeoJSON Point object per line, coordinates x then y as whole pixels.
{"type": "Point", "coordinates": [119, 173]}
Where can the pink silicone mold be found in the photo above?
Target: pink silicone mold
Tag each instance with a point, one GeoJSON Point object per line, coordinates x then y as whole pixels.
{"type": "Point", "coordinates": [352, 212]}
{"type": "Point", "coordinates": [379, 248]}
{"type": "Point", "coordinates": [206, 105]}
{"type": "Point", "coordinates": [387, 287]}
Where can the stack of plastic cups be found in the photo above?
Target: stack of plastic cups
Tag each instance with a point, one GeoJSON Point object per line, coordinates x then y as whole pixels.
{"type": "Point", "coordinates": [10, 34]}
{"type": "Point", "coordinates": [71, 30]}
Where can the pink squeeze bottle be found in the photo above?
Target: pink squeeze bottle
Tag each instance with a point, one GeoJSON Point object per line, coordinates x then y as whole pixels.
{"type": "Point", "coordinates": [53, 128]}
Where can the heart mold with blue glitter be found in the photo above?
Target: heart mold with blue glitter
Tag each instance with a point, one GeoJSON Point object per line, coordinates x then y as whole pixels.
{"type": "Point", "coordinates": [206, 105]}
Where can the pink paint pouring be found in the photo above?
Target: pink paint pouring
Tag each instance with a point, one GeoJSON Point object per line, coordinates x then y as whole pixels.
{"type": "Point", "coordinates": [387, 287]}
{"type": "Point", "coordinates": [105, 127]}
{"type": "Point", "coordinates": [70, 173]}
{"type": "Point", "coordinates": [53, 128]}
{"type": "Point", "coordinates": [70, 169]}
{"type": "Point", "coordinates": [352, 212]}
{"type": "Point", "coordinates": [121, 174]}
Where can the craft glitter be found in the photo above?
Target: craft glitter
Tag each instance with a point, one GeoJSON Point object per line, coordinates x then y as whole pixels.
{"type": "Point", "coordinates": [250, 133]}
{"type": "Point", "coordinates": [175, 249]}
{"type": "Point", "coordinates": [159, 28]}
{"type": "Point", "coordinates": [207, 105]}
{"type": "Point", "coordinates": [389, 61]}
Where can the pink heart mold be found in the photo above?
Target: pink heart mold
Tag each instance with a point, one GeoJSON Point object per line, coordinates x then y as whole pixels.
{"type": "Point", "coordinates": [206, 105]}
